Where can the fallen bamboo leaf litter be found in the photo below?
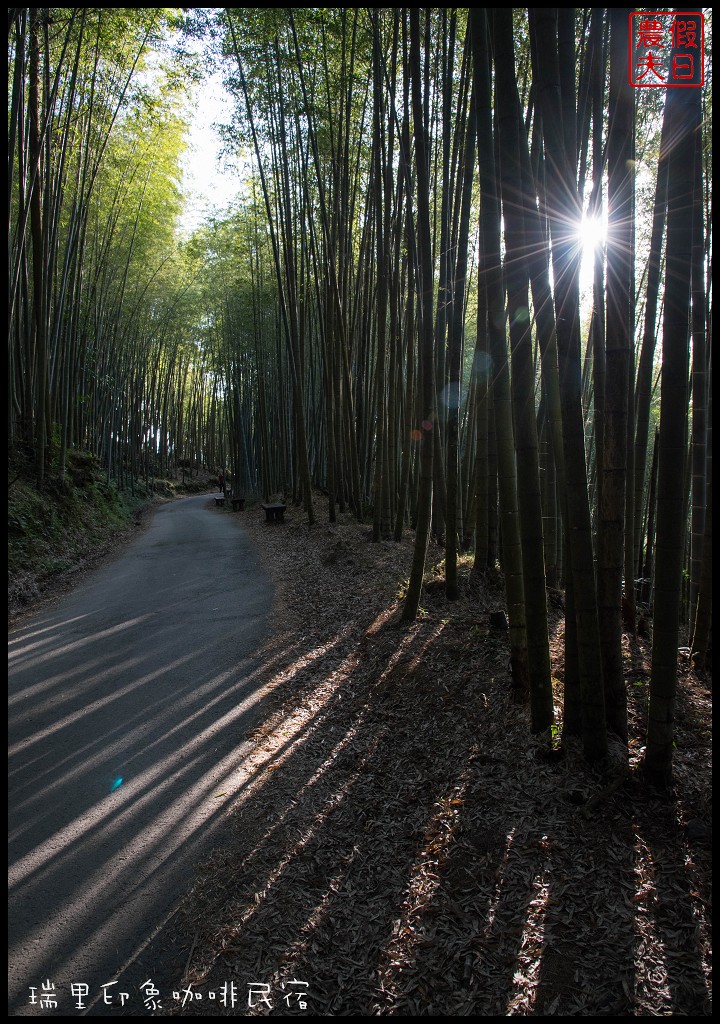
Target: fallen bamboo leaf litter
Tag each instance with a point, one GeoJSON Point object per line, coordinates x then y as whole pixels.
{"type": "Point", "coordinates": [409, 853]}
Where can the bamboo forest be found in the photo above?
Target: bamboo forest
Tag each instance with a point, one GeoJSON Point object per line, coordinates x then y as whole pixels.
{"type": "Point", "coordinates": [446, 347]}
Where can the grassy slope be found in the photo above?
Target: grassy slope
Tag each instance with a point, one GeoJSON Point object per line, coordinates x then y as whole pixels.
{"type": "Point", "coordinates": [56, 533]}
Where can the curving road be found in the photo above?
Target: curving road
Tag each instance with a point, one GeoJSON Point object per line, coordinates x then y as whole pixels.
{"type": "Point", "coordinates": [129, 703]}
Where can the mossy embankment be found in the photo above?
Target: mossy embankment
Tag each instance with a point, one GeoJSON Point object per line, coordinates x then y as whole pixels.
{"type": "Point", "coordinates": [67, 526]}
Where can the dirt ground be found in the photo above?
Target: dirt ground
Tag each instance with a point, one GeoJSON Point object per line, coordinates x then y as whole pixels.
{"type": "Point", "coordinates": [405, 847]}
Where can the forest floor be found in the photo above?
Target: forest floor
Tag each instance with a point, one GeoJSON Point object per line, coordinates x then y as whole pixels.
{"type": "Point", "coordinates": [403, 846]}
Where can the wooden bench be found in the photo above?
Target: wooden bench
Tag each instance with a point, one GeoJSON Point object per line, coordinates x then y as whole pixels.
{"type": "Point", "coordinates": [238, 504]}
{"type": "Point", "coordinates": [274, 513]}
{"type": "Point", "coordinates": [220, 501]}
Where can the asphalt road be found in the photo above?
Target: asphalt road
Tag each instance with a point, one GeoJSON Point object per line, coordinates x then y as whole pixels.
{"type": "Point", "coordinates": [129, 703]}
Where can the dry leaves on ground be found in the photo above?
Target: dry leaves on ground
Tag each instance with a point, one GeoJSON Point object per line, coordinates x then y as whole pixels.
{"type": "Point", "coordinates": [402, 847]}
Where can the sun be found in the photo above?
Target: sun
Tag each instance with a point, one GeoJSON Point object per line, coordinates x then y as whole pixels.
{"type": "Point", "coordinates": [592, 234]}
{"type": "Point", "coordinates": [591, 239]}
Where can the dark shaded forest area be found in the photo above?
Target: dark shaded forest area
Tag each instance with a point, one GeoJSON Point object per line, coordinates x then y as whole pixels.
{"type": "Point", "coordinates": [457, 320]}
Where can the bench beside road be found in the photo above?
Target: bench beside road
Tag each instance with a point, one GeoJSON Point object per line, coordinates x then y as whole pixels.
{"type": "Point", "coordinates": [274, 512]}
{"type": "Point", "coordinates": [238, 504]}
